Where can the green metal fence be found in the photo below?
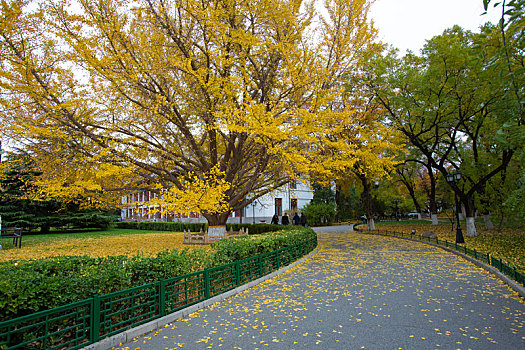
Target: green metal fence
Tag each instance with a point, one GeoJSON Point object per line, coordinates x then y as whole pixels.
{"type": "Point", "coordinates": [85, 322]}
{"type": "Point", "coordinates": [510, 271]}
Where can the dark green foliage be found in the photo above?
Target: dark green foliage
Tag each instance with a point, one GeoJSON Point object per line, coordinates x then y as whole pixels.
{"type": "Point", "coordinates": [349, 205]}
{"type": "Point", "coordinates": [319, 213]}
{"type": "Point", "coordinates": [163, 226]}
{"type": "Point", "coordinates": [257, 228]}
{"type": "Point", "coordinates": [323, 194]}
{"type": "Point", "coordinates": [30, 286]}
{"type": "Point", "coordinates": [229, 250]}
{"type": "Point", "coordinates": [196, 227]}
{"type": "Point", "coordinates": [16, 208]}
{"type": "Point", "coordinates": [19, 209]}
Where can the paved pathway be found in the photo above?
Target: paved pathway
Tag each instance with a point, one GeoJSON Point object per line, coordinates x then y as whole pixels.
{"type": "Point", "coordinates": [360, 292]}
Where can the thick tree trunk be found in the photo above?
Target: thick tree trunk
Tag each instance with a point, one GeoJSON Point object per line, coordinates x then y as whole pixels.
{"type": "Point", "coordinates": [470, 213]}
{"type": "Point", "coordinates": [371, 224]}
{"type": "Point", "coordinates": [218, 219]}
{"type": "Point", "coordinates": [337, 201]}
{"type": "Point", "coordinates": [432, 195]}
{"type": "Point", "coordinates": [366, 197]}
{"type": "Point", "coordinates": [488, 222]}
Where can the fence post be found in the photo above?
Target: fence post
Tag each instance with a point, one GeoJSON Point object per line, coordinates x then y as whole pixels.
{"type": "Point", "coordinates": [237, 273]}
{"type": "Point", "coordinates": [162, 297]}
{"type": "Point", "coordinates": [207, 283]}
{"type": "Point", "coordinates": [259, 265]}
{"type": "Point", "coordinates": [95, 319]}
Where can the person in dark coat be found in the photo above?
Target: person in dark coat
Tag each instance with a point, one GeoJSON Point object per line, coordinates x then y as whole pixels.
{"type": "Point", "coordinates": [275, 219]}
{"type": "Point", "coordinates": [285, 220]}
{"type": "Point", "coordinates": [303, 219]}
{"type": "Point", "coordinates": [296, 219]}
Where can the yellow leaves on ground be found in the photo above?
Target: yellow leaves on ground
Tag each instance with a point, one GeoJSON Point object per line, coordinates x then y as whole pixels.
{"type": "Point", "coordinates": [508, 244]}
{"type": "Point", "coordinates": [356, 286]}
{"type": "Point", "coordinates": [147, 244]}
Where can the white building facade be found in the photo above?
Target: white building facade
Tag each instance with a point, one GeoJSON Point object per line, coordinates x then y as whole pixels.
{"type": "Point", "coordinates": [288, 199]}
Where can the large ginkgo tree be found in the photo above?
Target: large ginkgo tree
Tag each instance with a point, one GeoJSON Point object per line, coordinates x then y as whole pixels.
{"type": "Point", "coordinates": [203, 101]}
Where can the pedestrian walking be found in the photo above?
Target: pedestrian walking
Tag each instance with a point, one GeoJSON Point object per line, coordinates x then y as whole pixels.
{"type": "Point", "coordinates": [285, 220]}
{"type": "Point", "coordinates": [296, 219]}
{"type": "Point", "coordinates": [275, 219]}
{"type": "Point", "coordinates": [303, 219]}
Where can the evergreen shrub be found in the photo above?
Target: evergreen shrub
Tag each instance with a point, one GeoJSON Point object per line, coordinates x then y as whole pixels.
{"type": "Point", "coordinates": [196, 227]}
{"type": "Point", "coordinates": [34, 285]}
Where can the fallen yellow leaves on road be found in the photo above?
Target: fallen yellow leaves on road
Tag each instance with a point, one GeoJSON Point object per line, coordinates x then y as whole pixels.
{"type": "Point", "coordinates": [359, 292]}
{"type": "Point", "coordinates": [146, 244]}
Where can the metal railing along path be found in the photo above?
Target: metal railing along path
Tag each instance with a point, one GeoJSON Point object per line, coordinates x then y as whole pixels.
{"type": "Point", "coordinates": [486, 258]}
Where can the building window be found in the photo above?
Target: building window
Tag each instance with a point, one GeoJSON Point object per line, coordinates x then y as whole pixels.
{"type": "Point", "coordinates": [240, 213]}
{"type": "Point", "coordinates": [293, 204]}
{"type": "Point", "coordinates": [293, 184]}
{"type": "Point", "coordinates": [279, 206]}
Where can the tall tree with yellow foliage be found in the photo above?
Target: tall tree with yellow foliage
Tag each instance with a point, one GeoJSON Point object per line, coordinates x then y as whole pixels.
{"type": "Point", "coordinates": [206, 100]}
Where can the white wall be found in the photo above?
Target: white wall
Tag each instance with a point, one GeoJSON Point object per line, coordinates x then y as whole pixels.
{"type": "Point", "coordinates": [263, 209]}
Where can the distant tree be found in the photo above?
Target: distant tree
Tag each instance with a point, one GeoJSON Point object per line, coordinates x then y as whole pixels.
{"type": "Point", "coordinates": [319, 213]}
{"type": "Point", "coordinates": [508, 45]}
{"type": "Point", "coordinates": [323, 194]}
{"type": "Point", "coordinates": [21, 207]}
{"type": "Point", "coordinates": [449, 104]}
{"type": "Point", "coordinates": [348, 203]}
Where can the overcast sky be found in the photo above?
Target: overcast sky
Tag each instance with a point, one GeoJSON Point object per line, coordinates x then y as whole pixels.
{"type": "Point", "coordinates": [406, 24]}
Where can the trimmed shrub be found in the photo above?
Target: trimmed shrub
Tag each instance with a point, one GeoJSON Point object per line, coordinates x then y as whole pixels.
{"type": "Point", "coordinates": [196, 227]}
{"type": "Point", "coordinates": [34, 285]}
{"type": "Point", "coordinates": [319, 213]}
{"type": "Point", "coordinates": [255, 229]}
{"type": "Point", "coordinates": [163, 226]}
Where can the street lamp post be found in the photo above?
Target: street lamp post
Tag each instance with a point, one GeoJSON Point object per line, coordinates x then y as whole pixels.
{"type": "Point", "coordinates": [396, 201]}
{"type": "Point", "coordinates": [253, 211]}
{"type": "Point", "coordinates": [453, 179]}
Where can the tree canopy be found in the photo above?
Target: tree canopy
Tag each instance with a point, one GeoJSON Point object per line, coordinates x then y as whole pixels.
{"type": "Point", "coordinates": [204, 101]}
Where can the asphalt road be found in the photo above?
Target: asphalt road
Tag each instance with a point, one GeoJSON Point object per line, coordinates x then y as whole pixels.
{"type": "Point", "coordinates": [359, 292]}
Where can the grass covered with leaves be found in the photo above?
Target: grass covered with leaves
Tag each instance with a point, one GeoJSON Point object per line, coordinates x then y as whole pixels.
{"type": "Point", "coordinates": [507, 244]}
{"type": "Point", "coordinates": [93, 244]}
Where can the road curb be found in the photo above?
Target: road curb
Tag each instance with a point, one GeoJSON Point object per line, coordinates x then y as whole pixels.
{"type": "Point", "coordinates": [504, 278]}
{"type": "Point", "coordinates": [130, 334]}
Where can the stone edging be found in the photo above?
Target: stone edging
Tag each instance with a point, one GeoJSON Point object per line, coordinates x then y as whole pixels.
{"type": "Point", "coordinates": [510, 282]}
{"type": "Point", "coordinates": [130, 334]}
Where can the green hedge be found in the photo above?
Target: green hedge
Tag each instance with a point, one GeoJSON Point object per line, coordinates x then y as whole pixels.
{"type": "Point", "coordinates": [196, 227]}
{"type": "Point", "coordinates": [163, 226]}
{"type": "Point", "coordinates": [34, 285]}
{"type": "Point", "coordinates": [255, 229]}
